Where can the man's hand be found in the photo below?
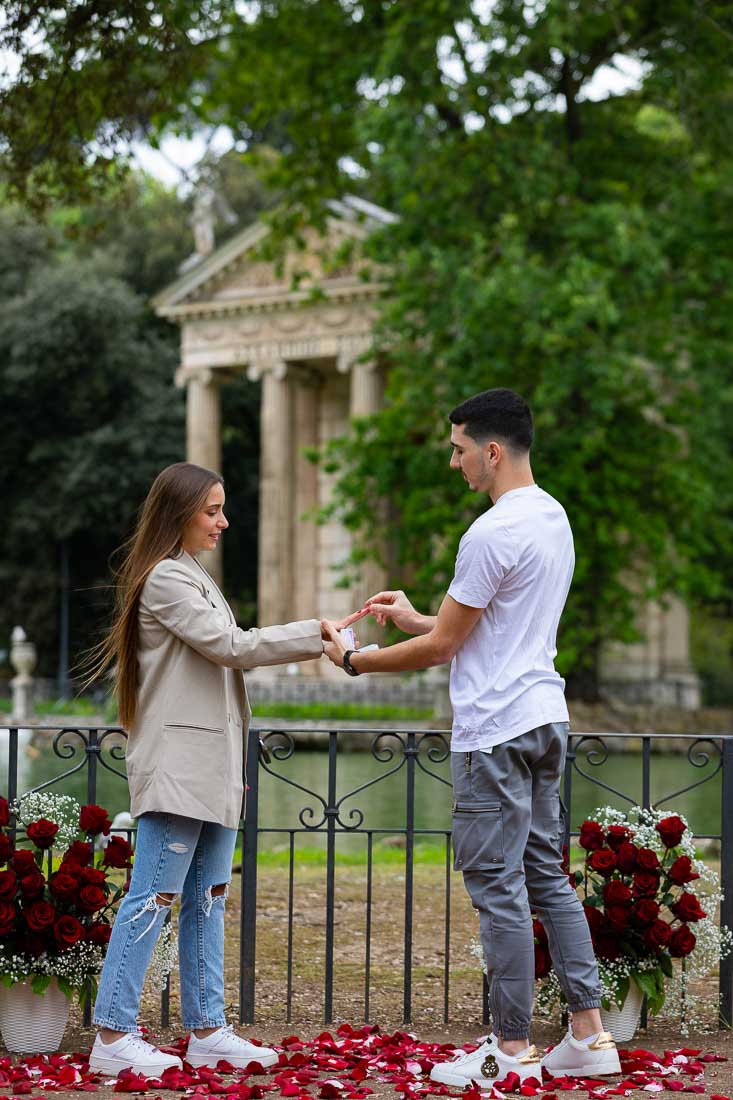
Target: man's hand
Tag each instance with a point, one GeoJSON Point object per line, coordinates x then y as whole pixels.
{"type": "Point", "coordinates": [342, 623]}
{"type": "Point", "coordinates": [395, 607]}
{"type": "Point", "coordinates": [333, 644]}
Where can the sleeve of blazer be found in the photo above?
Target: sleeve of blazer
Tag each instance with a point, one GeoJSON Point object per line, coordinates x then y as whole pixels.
{"type": "Point", "coordinates": [172, 596]}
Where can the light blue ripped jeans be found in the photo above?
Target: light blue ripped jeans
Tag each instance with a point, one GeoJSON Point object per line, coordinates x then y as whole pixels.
{"type": "Point", "coordinates": [173, 855]}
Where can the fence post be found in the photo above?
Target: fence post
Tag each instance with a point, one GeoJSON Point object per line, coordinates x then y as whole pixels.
{"type": "Point", "coordinates": [726, 879]}
{"type": "Point", "coordinates": [248, 909]}
{"type": "Point", "coordinates": [331, 815]}
{"type": "Point", "coordinates": [411, 752]}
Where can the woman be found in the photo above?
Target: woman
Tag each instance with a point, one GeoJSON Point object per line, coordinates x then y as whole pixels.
{"type": "Point", "coordinates": [178, 656]}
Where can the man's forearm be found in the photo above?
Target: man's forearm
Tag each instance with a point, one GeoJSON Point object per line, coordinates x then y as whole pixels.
{"type": "Point", "coordinates": [424, 651]}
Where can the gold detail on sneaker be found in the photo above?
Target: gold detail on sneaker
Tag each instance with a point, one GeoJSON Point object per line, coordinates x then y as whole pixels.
{"type": "Point", "coordinates": [490, 1066]}
{"type": "Point", "coordinates": [530, 1055]}
{"type": "Point", "coordinates": [603, 1042]}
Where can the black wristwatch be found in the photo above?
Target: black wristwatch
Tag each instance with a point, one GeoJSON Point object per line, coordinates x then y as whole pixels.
{"type": "Point", "coordinates": [348, 667]}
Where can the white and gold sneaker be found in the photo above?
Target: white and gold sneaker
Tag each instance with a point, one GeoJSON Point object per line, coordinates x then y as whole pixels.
{"type": "Point", "coordinates": [485, 1066]}
{"type": "Point", "coordinates": [574, 1058]}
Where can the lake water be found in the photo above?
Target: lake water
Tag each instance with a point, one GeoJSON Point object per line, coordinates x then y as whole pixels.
{"type": "Point", "coordinates": [383, 804]}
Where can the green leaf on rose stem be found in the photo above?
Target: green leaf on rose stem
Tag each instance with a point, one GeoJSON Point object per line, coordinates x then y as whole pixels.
{"type": "Point", "coordinates": [646, 983]}
{"type": "Point", "coordinates": [578, 878]}
{"type": "Point", "coordinates": [665, 963]}
{"type": "Point", "coordinates": [40, 983]}
{"type": "Point", "coordinates": [66, 987]}
{"type": "Point", "coordinates": [594, 902]}
{"type": "Point", "coordinates": [668, 899]}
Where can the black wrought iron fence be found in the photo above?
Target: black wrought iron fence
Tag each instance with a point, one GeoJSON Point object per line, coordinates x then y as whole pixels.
{"type": "Point", "coordinates": [415, 755]}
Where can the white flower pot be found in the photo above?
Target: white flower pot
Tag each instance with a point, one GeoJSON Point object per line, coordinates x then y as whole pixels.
{"type": "Point", "coordinates": [623, 1022]}
{"type": "Point", "coordinates": [33, 1023]}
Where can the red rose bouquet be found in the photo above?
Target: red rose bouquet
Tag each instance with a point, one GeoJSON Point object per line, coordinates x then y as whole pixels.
{"type": "Point", "coordinates": [649, 902]}
{"type": "Point", "coordinates": [57, 900]}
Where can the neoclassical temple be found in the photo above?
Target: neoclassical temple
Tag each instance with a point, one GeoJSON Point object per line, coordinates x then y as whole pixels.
{"type": "Point", "coordinates": [309, 346]}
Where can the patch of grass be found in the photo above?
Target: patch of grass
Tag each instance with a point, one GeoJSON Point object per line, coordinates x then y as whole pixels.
{"type": "Point", "coordinates": [382, 856]}
{"type": "Point", "coordinates": [67, 706]}
{"type": "Point", "coordinates": [366, 711]}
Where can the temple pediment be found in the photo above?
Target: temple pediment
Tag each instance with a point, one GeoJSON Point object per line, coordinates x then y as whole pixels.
{"type": "Point", "coordinates": [236, 277]}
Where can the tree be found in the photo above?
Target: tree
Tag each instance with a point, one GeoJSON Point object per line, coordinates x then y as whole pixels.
{"type": "Point", "coordinates": [576, 248]}
{"type": "Point", "coordinates": [89, 415]}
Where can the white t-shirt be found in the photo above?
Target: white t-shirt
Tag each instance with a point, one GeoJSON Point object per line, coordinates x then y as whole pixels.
{"type": "Point", "coordinates": [516, 561]}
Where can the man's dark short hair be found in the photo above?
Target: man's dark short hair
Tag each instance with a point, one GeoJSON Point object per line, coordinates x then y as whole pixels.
{"type": "Point", "coordinates": [499, 413]}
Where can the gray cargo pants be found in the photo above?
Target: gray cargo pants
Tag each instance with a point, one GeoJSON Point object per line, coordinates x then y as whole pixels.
{"type": "Point", "coordinates": [507, 839]}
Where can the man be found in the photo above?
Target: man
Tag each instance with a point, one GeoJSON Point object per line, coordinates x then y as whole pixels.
{"type": "Point", "coordinates": [497, 626]}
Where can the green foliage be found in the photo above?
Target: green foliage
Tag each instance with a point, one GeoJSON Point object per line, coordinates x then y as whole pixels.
{"type": "Point", "coordinates": [577, 249]}
{"type": "Point", "coordinates": [40, 983]}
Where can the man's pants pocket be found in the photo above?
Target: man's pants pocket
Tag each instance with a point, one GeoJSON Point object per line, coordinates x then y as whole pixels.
{"type": "Point", "coordinates": [478, 836]}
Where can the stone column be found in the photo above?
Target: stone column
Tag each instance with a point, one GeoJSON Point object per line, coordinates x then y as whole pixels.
{"type": "Point", "coordinates": [275, 569]}
{"type": "Point", "coordinates": [305, 493]}
{"type": "Point", "coordinates": [365, 399]}
{"type": "Point", "coordinates": [203, 440]}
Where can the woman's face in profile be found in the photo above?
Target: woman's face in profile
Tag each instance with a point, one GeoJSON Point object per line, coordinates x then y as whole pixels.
{"type": "Point", "coordinates": [204, 530]}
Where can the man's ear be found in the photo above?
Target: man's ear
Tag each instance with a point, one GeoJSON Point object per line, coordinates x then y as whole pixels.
{"type": "Point", "coordinates": [494, 452]}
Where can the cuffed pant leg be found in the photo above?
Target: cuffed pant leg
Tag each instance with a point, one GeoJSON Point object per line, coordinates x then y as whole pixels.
{"type": "Point", "coordinates": [491, 823]}
{"type": "Point", "coordinates": [550, 894]}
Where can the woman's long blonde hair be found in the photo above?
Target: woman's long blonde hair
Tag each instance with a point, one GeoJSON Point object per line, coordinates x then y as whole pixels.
{"type": "Point", "coordinates": [177, 494]}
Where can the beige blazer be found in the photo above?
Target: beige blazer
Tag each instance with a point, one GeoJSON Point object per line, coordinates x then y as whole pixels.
{"type": "Point", "coordinates": [185, 751]}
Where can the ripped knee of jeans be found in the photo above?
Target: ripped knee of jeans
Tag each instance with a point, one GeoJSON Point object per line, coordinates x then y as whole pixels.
{"type": "Point", "coordinates": [155, 904]}
{"type": "Point", "coordinates": [222, 891]}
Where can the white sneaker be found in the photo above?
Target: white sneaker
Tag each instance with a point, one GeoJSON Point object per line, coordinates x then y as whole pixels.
{"type": "Point", "coordinates": [489, 1064]}
{"type": "Point", "coordinates": [130, 1052]}
{"type": "Point", "coordinates": [573, 1058]}
{"type": "Point", "coordinates": [446, 1071]}
{"type": "Point", "coordinates": [225, 1045]}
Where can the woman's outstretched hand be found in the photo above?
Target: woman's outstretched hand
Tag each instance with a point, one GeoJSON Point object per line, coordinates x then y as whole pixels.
{"type": "Point", "coordinates": [334, 646]}
{"type": "Point", "coordinates": [343, 623]}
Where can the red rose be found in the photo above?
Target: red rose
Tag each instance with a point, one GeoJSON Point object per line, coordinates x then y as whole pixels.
{"type": "Point", "coordinates": [646, 884]}
{"type": "Point", "coordinates": [681, 871]}
{"type": "Point", "coordinates": [542, 962]}
{"type": "Point", "coordinates": [682, 942]}
{"type": "Point", "coordinates": [8, 885]}
{"type": "Point", "coordinates": [657, 934]}
{"type": "Point", "coordinates": [92, 876]}
{"type": "Point", "coordinates": [595, 918]}
{"type": "Point", "coordinates": [646, 910]}
{"type": "Point", "coordinates": [603, 860]}
{"type": "Point", "coordinates": [40, 916]}
{"type": "Point", "coordinates": [671, 830]}
{"type": "Point", "coordinates": [7, 917]}
{"type": "Point", "coordinates": [616, 835]}
{"type": "Point", "coordinates": [607, 947]}
{"type": "Point", "coordinates": [538, 930]}
{"type": "Point", "coordinates": [32, 885]}
{"type": "Point", "coordinates": [24, 861]}
{"type": "Point", "coordinates": [42, 832]}
{"type": "Point", "coordinates": [6, 848]}
{"type": "Point", "coordinates": [618, 917]}
{"type": "Point", "coordinates": [687, 908]}
{"type": "Point", "coordinates": [91, 898]}
{"type": "Point", "coordinates": [626, 857]}
{"type": "Point", "coordinates": [68, 931]}
{"type": "Point", "coordinates": [99, 933]}
{"type": "Point", "coordinates": [647, 859]}
{"type": "Point", "coordinates": [616, 893]}
{"type": "Point", "coordinates": [117, 853]}
{"type": "Point", "coordinates": [79, 853]}
{"type": "Point", "coordinates": [591, 835]}
{"type": "Point", "coordinates": [4, 812]}
{"type": "Point", "coordinates": [63, 886]}
{"type": "Point", "coordinates": [94, 819]}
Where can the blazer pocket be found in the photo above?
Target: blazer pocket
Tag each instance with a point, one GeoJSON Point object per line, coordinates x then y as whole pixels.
{"type": "Point", "coordinates": [193, 727]}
